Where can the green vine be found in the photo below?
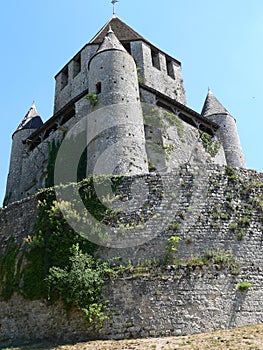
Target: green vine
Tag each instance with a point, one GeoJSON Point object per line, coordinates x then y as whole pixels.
{"type": "Point", "coordinates": [174, 120]}
{"type": "Point", "coordinates": [232, 174]}
{"type": "Point", "coordinates": [211, 146]}
{"type": "Point", "coordinates": [53, 148]}
{"type": "Point", "coordinates": [55, 262]}
{"type": "Point", "coordinates": [10, 269]}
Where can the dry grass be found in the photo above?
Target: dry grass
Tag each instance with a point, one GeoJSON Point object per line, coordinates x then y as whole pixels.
{"type": "Point", "coordinates": [245, 338]}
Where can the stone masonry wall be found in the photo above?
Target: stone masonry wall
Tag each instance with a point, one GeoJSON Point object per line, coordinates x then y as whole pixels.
{"type": "Point", "coordinates": [177, 303]}
{"type": "Point", "coordinates": [171, 303]}
{"type": "Point", "coordinates": [216, 208]}
{"type": "Point", "coordinates": [158, 78]}
{"type": "Point", "coordinates": [170, 142]}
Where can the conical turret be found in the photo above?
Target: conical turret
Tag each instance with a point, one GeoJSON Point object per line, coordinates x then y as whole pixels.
{"type": "Point", "coordinates": [29, 124]}
{"type": "Point", "coordinates": [212, 106]}
{"type": "Point", "coordinates": [32, 119]}
{"type": "Point", "coordinates": [110, 42]}
{"type": "Point", "coordinates": [227, 132]}
{"type": "Point", "coordinates": [119, 146]}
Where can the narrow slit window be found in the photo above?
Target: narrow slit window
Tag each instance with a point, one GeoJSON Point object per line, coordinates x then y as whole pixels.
{"type": "Point", "coordinates": [155, 59]}
{"type": "Point", "coordinates": [170, 68]}
{"type": "Point", "coordinates": [98, 88]}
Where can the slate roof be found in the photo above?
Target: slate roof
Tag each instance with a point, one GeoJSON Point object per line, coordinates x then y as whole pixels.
{"type": "Point", "coordinates": [121, 30]}
{"type": "Point", "coordinates": [124, 33]}
{"type": "Point", "coordinates": [213, 106]}
{"type": "Point", "coordinates": [32, 120]}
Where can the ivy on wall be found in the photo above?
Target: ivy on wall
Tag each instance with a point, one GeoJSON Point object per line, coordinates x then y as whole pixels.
{"type": "Point", "coordinates": [55, 263]}
{"type": "Point", "coordinates": [210, 145]}
{"type": "Point", "coordinates": [10, 269]}
{"type": "Point", "coordinates": [53, 148]}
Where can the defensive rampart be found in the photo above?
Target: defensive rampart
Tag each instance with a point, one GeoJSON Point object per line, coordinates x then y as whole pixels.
{"type": "Point", "coordinates": [215, 211]}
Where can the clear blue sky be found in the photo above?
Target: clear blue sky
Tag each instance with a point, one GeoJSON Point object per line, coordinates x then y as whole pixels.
{"type": "Point", "coordinates": [220, 44]}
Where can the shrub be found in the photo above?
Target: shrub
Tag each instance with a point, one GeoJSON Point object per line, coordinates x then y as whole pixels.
{"type": "Point", "coordinates": [242, 286]}
{"type": "Point", "coordinates": [171, 248]}
{"type": "Point", "coordinates": [93, 98]}
{"type": "Point", "coordinates": [80, 284]}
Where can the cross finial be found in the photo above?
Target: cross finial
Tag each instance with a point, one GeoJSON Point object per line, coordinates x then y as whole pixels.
{"type": "Point", "coordinates": [113, 4]}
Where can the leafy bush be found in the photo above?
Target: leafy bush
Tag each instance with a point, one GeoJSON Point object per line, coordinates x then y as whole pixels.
{"type": "Point", "coordinates": [80, 283]}
{"type": "Point", "coordinates": [55, 262]}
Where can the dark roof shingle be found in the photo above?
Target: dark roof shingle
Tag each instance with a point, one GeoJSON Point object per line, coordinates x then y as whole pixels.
{"type": "Point", "coordinates": [213, 106]}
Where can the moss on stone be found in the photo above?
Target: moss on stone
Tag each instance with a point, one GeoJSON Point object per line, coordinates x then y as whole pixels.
{"type": "Point", "coordinates": [174, 120]}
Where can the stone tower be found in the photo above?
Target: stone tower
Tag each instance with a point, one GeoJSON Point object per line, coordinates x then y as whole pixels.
{"type": "Point", "coordinates": [118, 145]}
{"type": "Point", "coordinates": [227, 132]}
{"type": "Point", "coordinates": [130, 98]}
{"type": "Point", "coordinates": [29, 124]}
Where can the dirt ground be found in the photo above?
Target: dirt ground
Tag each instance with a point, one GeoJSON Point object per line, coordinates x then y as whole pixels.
{"type": "Point", "coordinates": [246, 338]}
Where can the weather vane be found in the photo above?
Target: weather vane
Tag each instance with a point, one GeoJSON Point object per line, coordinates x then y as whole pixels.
{"type": "Point", "coordinates": [113, 4]}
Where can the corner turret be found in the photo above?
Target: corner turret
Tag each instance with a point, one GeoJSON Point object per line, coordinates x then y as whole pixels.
{"type": "Point", "coordinates": [29, 124]}
{"type": "Point", "coordinates": [119, 146]}
{"type": "Point", "coordinates": [227, 132]}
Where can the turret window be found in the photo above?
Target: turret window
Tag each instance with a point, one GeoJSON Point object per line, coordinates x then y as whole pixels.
{"type": "Point", "coordinates": [64, 77]}
{"type": "Point", "coordinates": [76, 65]}
{"type": "Point", "coordinates": [98, 88]}
{"type": "Point", "coordinates": [155, 59]}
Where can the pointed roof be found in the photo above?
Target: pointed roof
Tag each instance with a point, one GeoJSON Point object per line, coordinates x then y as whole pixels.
{"type": "Point", "coordinates": [32, 120]}
{"type": "Point", "coordinates": [121, 30]}
{"type": "Point", "coordinates": [110, 42]}
{"type": "Point", "coordinates": [124, 33]}
{"type": "Point", "coordinates": [212, 106]}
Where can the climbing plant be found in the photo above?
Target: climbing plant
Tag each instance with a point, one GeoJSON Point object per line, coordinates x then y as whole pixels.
{"type": "Point", "coordinates": [210, 145]}
{"type": "Point", "coordinates": [55, 262]}
{"type": "Point", "coordinates": [53, 148]}
{"type": "Point", "coordinates": [10, 269]}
